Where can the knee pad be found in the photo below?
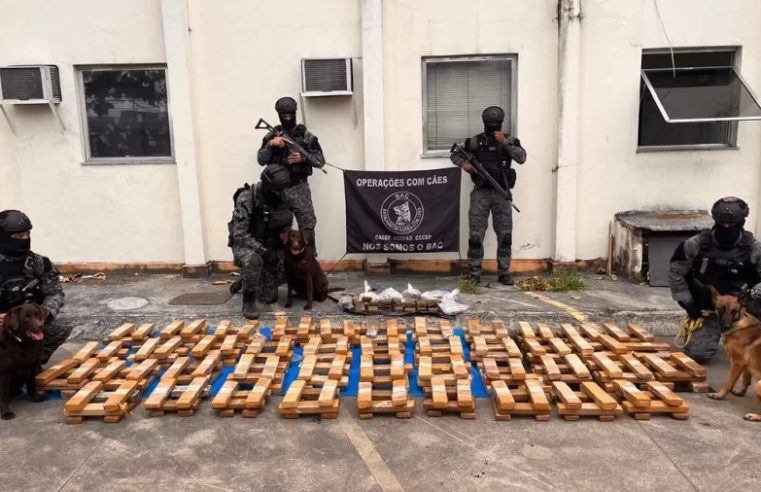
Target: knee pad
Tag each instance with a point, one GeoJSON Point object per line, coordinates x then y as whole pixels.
{"type": "Point", "coordinates": [252, 260]}
{"type": "Point", "coordinates": [474, 242]}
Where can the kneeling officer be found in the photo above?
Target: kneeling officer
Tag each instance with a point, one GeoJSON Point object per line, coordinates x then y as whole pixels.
{"type": "Point", "coordinates": [262, 212]}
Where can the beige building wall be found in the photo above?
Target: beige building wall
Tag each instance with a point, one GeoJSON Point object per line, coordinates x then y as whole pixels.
{"type": "Point", "coordinates": [245, 54]}
{"type": "Point", "coordinates": [423, 28]}
{"type": "Point", "coordinates": [613, 177]}
{"type": "Point", "coordinates": [83, 213]}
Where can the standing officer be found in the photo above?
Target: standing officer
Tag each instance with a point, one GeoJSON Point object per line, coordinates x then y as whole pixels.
{"type": "Point", "coordinates": [275, 150]}
{"type": "Point", "coordinates": [26, 276]}
{"type": "Point", "coordinates": [495, 151]}
{"type": "Point", "coordinates": [262, 213]}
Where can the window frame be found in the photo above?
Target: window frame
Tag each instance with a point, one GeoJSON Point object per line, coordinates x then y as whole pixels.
{"type": "Point", "coordinates": [512, 58]}
{"type": "Point", "coordinates": [88, 159]}
{"type": "Point", "coordinates": [668, 119]}
{"type": "Point", "coordinates": [732, 126]}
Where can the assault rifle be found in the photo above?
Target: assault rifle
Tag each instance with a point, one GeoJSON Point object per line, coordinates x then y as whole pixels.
{"type": "Point", "coordinates": [482, 174]}
{"type": "Point", "coordinates": [292, 145]}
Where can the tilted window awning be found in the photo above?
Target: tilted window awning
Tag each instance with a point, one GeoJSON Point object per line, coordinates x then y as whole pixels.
{"type": "Point", "coordinates": [701, 94]}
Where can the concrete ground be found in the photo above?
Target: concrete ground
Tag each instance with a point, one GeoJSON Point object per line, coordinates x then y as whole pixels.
{"type": "Point", "coordinates": [713, 450]}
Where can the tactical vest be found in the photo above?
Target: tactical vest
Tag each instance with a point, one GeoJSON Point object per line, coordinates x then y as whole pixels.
{"type": "Point", "coordinates": [16, 283]}
{"type": "Point", "coordinates": [268, 220]}
{"type": "Point", "coordinates": [488, 152]}
{"type": "Point", "coordinates": [301, 171]}
{"type": "Point", "coordinates": [726, 270]}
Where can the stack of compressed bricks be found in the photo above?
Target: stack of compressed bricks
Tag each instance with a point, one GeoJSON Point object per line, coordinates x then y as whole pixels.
{"type": "Point", "coordinates": [301, 332]}
{"type": "Point", "coordinates": [228, 339]}
{"type": "Point", "coordinates": [323, 370]}
{"type": "Point", "coordinates": [187, 379]}
{"type": "Point", "coordinates": [106, 380]}
{"type": "Point", "coordinates": [443, 372]}
{"type": "Point", "coordinates": [500, 363]}
{"type": "Point", "coordinates": [633, 355]}
{"type": "Point", "coordinates": [97, 382]}
{"type": "Point", "coordinates": [258, 373]}
{"type": "Point", "coordinates": [589, 366]}
{"type": "Point", "coordinates": [183, 385]}
{"type": "Point", "coordinates": [420, 306]}
{"type": "Point", "coordinates": [384, 387]}
{"type": "Point", "coordinates": [590, 370]}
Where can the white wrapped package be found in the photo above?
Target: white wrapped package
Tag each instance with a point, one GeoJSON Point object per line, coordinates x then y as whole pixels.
{"type": "Point", "coordinates": [410, 293]}
{"type": "Point", "coordinates": [434, 295]}
{"type": "Point", "coordinates": [449, 304]}
{"type": "Point", "coordinates": [367, 295]}
{"type": "Point", "coordinates": [390, 294]}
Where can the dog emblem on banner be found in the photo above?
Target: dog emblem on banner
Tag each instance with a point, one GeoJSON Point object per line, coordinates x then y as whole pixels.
{"type": "Point", "coordinates": [402, 212]}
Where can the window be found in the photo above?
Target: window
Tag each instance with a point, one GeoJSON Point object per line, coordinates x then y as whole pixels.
{"type": "Point", "coordinates": [696, 103]}
{"type": "Point", "coordinates": [455, 93]}
{"type": "Point", "coordinates": [125, 114]}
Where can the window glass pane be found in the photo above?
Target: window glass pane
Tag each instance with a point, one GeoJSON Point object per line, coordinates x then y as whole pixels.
{"type": "Point", "coordinates": [127, 113]}
{"type": "Point", "coordinates": [655, 131]}
{"type": "Point", "coordinates": [701, 93]}
{"type": "Point", "coordinates": [457, 92]}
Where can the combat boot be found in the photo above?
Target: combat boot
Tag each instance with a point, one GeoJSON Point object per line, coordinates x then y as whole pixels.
{"type": "Point", "coordinates": [236, 286]}
{"type": "Point", "coordinates": [506, 279]}
{"type": "Point", "coordinates": [249, 305]}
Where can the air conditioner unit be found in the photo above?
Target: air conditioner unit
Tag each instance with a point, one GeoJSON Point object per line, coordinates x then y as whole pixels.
{"type": "Point", "coordinates": [30, 84]}
{"type": "Point", "coordinates": [326, 77]}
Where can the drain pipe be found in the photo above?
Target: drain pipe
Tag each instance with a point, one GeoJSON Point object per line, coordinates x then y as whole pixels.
{"type": "Point", "coordinates": [569, 60]}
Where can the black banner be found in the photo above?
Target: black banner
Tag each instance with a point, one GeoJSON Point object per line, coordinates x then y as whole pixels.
{"type": "Point", "coordinates": [402, 212]}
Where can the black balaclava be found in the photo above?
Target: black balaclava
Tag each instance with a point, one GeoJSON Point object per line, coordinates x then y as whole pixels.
{"type": "Point", "coordinates": [493, 116]}
{"type": "Point", "coordinates": [729, 213]}
{"type": "Point", "coordinates": [275, 179]}
{"type": "Point", "coordinates": [727, 237]}
{"type": "Point", "coordinates": [13, 222]}
{"type": "Point", "coordinates": [286, 105]}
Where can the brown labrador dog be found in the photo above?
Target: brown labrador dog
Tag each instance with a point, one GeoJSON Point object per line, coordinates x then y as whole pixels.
{"type": "Point", "coordinates": [21, 337]}
{"type": "Point", "coordinates": [742, 340]}
{"type": "Point", "coordinates": [302, 270]}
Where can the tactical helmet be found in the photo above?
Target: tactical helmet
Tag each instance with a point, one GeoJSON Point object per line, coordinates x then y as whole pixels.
{"type": "Point", "coordinates": [13, 221]}
{"type": "Point", "coordinates": [276, 177]}
{"type": "Point", "coordinates": [493, 114]}
{"type": "Point", "coordinates": [285, 105]}
{"type": "Point", "coordinates": [730, 210]}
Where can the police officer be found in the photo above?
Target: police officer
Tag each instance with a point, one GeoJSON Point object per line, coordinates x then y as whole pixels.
{"type": "Point", "coordinates": [28, 277]}
{"type": "Point", "coordinates": [261, 213]}
{"type": "Point", "coordinates": [726, 257]}
{"type": "Point", "coordinates": [275, 150]}
{"type": "Point", "coordinates": [495, 151]}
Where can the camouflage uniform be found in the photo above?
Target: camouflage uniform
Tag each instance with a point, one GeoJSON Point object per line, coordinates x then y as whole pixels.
{"type": "Point", "coordinates": [298, 192]}
{"type": "Point", "coordinates": [17, 272]}
{"type": "Point", "coordinates": [250, 245]}
{"type": "Point", "coordinates": [698, 263]}
{"type": "Point", "coordinates": [496, 159]}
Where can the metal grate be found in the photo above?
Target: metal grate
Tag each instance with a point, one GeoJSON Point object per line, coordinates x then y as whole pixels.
{"type": "Point", "coordinates": [55, 82]}
{"type": "Point", "coordinates": [327, 75]}
{"type": "Point", "coordinates": [21, 83]}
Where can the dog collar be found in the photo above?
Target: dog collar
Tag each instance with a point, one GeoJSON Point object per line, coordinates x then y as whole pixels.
{"type": "Point", "coordinates": [739, 328]}
{"type": "Point", "coordinates": [17, 338]}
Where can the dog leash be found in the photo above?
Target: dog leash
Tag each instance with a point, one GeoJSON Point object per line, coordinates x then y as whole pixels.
{"type": "Point", "coordinates": [687, 327]}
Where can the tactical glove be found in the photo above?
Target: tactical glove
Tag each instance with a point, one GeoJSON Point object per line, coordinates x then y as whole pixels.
{"type": "Point", "coordinates": [693, 311]}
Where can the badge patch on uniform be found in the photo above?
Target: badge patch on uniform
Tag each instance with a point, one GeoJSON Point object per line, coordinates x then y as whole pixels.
{"type": "Point", "coordinates": [492, 148]}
